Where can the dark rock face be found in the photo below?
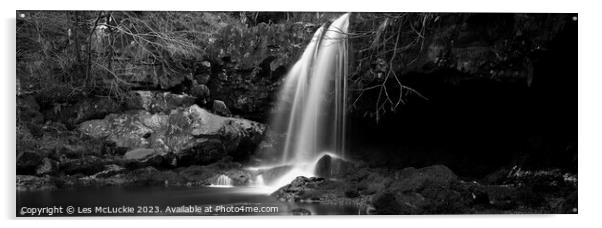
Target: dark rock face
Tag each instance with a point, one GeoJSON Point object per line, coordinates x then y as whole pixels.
{"type": "Point", "coordinates": [411, 179]}
{"type": "Point", "coordinates": [27, 162]}
{"type": "Point", "coordinates": [193, 134]}
{"type": "Point", "coordinates": [28, 114]}
{"type": "Point", "coordinates": [57, 145]}
{"type": "Point", "coordinates": [476, 77]}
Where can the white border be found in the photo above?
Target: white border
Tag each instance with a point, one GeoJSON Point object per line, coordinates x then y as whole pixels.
{"type": "Point", "coordinates": [589, 113]}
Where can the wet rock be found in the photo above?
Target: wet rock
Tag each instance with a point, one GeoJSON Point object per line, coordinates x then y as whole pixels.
{"type": "Point", "coordinates": [239, 177]}
{"type": "Point", "coordinates": [300, 211]}
{"type": "Point", "coordinates": [324, 166]}
{"type": "Point", "coordinates": [33, 183]}
{"type": "Point", "coordinates": [328, 166]}
{"type": "Point", "coordinates": [110, 170]}
{"type": "Point", "coordinates": [198, 174]}
{"type": "Point", "coordinates": [299, 189]}
{"type": "Point", "coordinates": [220, 108]}
{"type": "Point", "coordinates": [140, 154]}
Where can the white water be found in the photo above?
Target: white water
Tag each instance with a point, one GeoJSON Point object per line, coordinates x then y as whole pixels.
{"type": "Point", "coordinates": [259, 181]}
{"type": "Point", "coordinates": [311, 109]}
{"type": "Point", "coordinates": [222, 181]}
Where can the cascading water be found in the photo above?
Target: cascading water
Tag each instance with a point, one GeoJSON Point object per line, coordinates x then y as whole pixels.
{"type": "Point", "coordinates": [259, 182]}
{"type": "Point", "coordinates": [311, 109]}
{"type": "Point", "coordinates": [222, 181]}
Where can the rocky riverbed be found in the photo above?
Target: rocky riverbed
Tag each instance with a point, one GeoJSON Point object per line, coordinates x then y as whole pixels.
{"type": "Point", "coordinates": [437, 190]}
{"type": "Point", "coordinates": [155, 138]}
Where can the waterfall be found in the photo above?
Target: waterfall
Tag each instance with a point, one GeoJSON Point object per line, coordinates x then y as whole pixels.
{"type": "Point", "coordinates": [312, 102]}
{"type": "Point", "coordinates": [222, 181]}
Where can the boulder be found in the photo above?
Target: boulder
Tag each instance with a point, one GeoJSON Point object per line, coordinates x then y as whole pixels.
{"type": "Point", "coordinates": [329, 166]}
{"type": "Point", "coordinates": [220, 108]}
{"type": "Point", "coordinates": [129, 130]}
{"type": "Point", "coordinates": [156, 101]}
{"type": "Point", "coordinates": [193, 134]}
{"type": "Point", "coordinates": [200, 91]}
{"type": "Point", "coordinates": [301, 188]}
{"type": "Point", "coordinates": [140, 154]}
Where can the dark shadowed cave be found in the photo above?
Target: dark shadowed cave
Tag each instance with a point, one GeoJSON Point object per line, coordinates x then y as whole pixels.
{"type": "Point", "coordinates": [476, 124]}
